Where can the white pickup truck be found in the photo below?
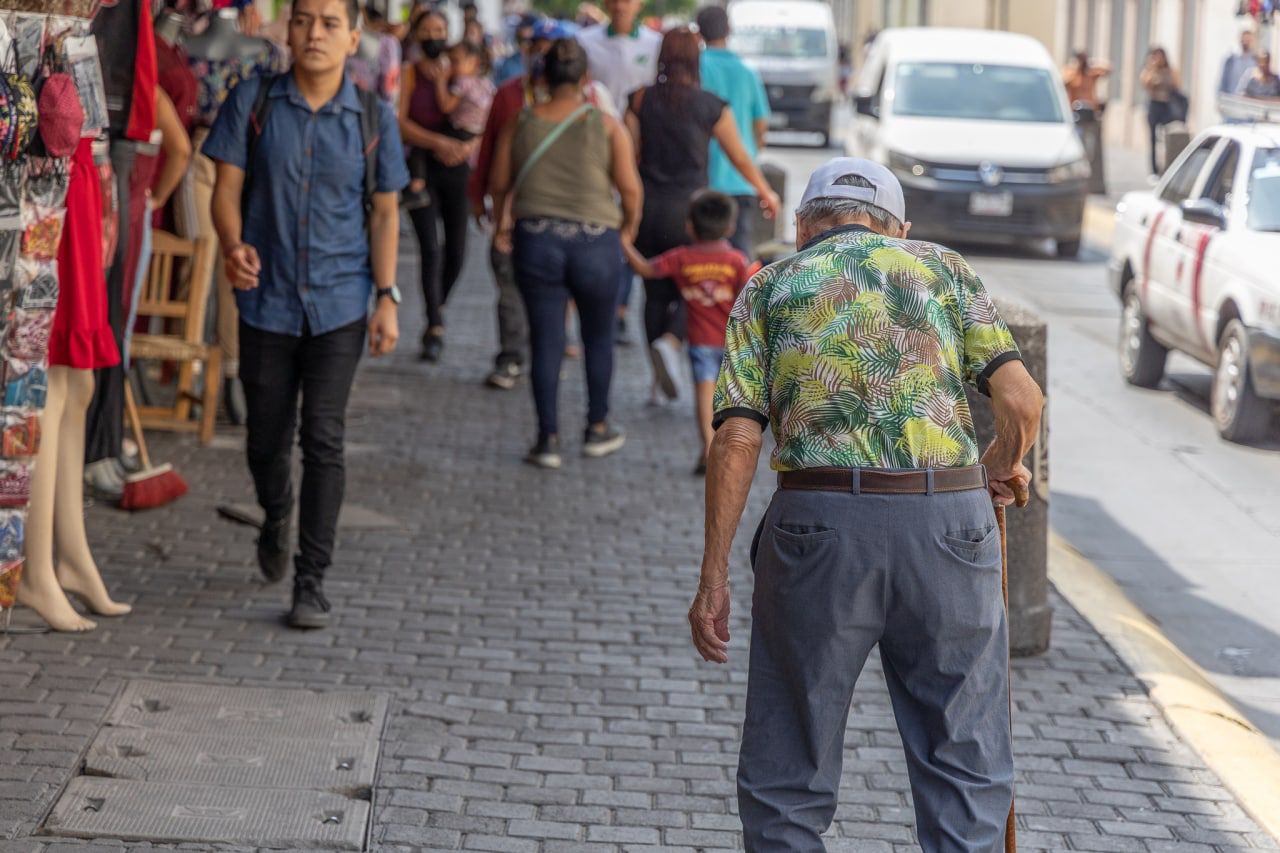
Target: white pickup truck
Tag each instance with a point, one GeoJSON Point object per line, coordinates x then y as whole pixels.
{"type": "Point", "coordinates": [1196, 263]}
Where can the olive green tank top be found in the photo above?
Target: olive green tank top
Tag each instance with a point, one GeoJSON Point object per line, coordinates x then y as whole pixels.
{"type": "Point", "coordinates": [573, 178]}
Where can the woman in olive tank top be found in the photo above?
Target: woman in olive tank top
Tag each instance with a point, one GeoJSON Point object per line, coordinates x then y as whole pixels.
{"type": "Point", "coordinates": [558, 172]}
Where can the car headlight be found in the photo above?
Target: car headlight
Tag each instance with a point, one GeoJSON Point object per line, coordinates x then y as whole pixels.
{"type": "Point", "coordinates": [1077, 170]}
{"type": "Point", "coordinates": [906, 164]}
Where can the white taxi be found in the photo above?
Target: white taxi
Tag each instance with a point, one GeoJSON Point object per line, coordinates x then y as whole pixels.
{"type": "Point", "coordinates": [1196, 263]}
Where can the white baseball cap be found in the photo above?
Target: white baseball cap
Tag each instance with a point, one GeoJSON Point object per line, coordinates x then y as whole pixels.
{"type": "Point", "coordinates": [885, 191]}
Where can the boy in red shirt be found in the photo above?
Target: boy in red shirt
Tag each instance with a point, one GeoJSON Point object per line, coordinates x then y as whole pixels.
{"type": "Point", "coordinates": [710, 274]}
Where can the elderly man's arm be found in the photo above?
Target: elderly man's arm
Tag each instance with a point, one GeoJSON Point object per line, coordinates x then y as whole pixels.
{"type": "Point", "coordinates": [731, 466]}
{"type": "Point", "coordinates": [1017, 403]}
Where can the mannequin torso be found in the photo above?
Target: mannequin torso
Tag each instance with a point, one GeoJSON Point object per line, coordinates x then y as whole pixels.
{"type": "Point", "coordinates": [222, 41]}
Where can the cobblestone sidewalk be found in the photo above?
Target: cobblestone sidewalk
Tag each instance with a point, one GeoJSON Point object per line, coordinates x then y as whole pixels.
{"type": "Point", "coordinates": [531, 626]}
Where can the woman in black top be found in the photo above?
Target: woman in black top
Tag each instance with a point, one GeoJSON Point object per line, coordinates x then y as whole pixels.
{"type": "Point", "coordinates": [673, 123]}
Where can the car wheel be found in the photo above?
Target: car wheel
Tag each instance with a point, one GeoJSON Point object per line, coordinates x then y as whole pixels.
{"type": "Point", "coordinates": [1068, 248]}
{"type": "Point", "coordinates": [1240, 414]}
{"type": "Point", "coordinates": [1142, 357]}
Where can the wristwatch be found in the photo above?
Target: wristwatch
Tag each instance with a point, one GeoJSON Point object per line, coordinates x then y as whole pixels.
{"type": "Point", "coordinates": [392, 291]}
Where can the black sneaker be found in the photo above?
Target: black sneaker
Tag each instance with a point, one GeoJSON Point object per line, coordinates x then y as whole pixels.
{"type": "Point", "coordinates": [546, 453]}
{"type": "Point", "coordinates": [602, 442]}
{"type": "Point", "coordinates": [273, 547]}
{"type": "Point", "coordinates": [620, 336]}
{"type": "Point", "coordinates": [432, 346]}
{"type": "Point", "coordinates": [504, 376]}
{"type": "Point", "coordinates": [310, 607]}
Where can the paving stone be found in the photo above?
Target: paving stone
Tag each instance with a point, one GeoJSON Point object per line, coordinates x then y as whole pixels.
{"type": "Point", "coordinates": [531, 628]}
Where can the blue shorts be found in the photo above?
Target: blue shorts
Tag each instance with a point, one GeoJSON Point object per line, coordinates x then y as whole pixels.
{"type": "Point", "coordinates": [706, 362]}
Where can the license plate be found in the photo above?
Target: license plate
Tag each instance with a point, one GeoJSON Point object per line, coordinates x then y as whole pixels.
{"type": "Point", "coordinates": [991, 204]}
{"type": "Point", "coordinates": [778, 120]}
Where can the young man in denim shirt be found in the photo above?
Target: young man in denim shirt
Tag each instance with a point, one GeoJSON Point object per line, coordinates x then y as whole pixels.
{"type": "Point", "coordinates": [307, 260]}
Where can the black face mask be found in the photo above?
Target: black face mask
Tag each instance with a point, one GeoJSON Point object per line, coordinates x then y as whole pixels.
{"type": "Point", "coordinates": [434, 48]}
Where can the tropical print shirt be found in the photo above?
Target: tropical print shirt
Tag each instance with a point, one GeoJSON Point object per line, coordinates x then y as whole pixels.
{"type": "Point", "coordinates": [856, 352]}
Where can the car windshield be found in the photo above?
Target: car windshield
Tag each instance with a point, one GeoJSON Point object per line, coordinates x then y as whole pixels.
{"type": "Point", "coordinates": [1264, 190]}
{"type": "Point", "coordinates": [780, 42]}
{"type": "Point", "coordinates": [964, 90]}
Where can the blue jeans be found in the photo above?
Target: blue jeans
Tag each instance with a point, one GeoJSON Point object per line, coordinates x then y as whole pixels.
{"type": "Point", "coordinates": [706, 362]}
{"type": "Point", "coordinates": [556, 261]}
{"type": "Point", "coordinates": [743, 236]}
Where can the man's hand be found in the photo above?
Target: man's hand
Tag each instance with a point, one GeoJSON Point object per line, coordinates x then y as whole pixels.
{"type": "Point", "coordinates": [1008, 486]}
{"type": "Point", "coordinates": [771, 204]}
{"type": "Point", "coordinates": [384, 328]}
{"type": "Point", "coordinates": [242, 266]}
{"type": "Point", "coordinates": [709, 622]}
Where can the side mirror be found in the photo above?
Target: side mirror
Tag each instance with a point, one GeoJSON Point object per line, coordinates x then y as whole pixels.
{"type": "Point", "coordinates": [866, 105]}
{"type": "Point", "coordinates": [1204, 211]}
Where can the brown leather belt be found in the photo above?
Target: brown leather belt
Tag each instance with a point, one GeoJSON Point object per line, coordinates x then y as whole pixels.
{"type": "Point", "coordinates": [881, 481]}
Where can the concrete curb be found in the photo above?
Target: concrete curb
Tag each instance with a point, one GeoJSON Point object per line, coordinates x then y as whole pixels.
{"type": "Point", "coordinates": [1230, 745]}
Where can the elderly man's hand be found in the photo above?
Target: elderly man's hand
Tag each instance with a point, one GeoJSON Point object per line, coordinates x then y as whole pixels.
{"type": "Point", "coordinates": [1009, 487]}
{"type": "Point", "coordinates": [709, 621]}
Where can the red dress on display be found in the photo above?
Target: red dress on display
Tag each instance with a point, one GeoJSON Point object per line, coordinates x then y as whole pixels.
{"type": "Point", "coordinates": [81, 337]}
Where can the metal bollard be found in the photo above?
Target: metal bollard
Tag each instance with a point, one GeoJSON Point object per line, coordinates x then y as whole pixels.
{"type": "Point", "coordinates": [1030, 616]}
{"type": "Point", "coordinates": [1089, 126]}
{"type": "Point", "coordinates": [767, 230]}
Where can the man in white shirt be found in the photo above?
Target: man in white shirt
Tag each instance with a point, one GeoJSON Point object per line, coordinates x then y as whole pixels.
{"type": "Point", "coordinates": [622, 54]}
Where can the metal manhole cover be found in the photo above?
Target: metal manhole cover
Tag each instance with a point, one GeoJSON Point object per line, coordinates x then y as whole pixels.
{"type": "Point", "coordinates": [254, 817]}
{"type": "Point", "coordinates": [234, 761]}
{"type": "Point", "coordinates": [249, 711]}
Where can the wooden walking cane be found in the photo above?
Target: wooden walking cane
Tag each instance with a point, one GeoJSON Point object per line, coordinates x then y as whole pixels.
{"type": "Point", "coordinates": [1020, 498]}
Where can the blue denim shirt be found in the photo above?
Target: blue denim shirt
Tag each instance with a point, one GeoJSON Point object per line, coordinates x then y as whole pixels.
{"type": "Point", "coordinates": [305, 206]}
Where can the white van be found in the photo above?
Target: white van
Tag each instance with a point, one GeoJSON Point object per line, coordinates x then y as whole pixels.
{"type": "Point", "coordinates": [976, 126]}
{"type": "Point", "coordinates": [792, 44]}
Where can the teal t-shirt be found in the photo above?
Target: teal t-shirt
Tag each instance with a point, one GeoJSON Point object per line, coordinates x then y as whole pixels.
{"type": "Point", "coordinates": [727, 76]}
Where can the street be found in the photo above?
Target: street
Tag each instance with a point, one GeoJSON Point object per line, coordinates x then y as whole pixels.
{"type": "Point", "coordinates": [1188, 524]}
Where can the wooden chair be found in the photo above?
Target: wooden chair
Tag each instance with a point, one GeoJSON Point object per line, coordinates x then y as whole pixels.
{"type": "Point", "coordinates": [193, 260]}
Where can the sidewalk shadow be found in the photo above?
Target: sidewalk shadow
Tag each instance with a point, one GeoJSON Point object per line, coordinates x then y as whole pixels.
{"type": "Point", "coordinates": [1083, 520]}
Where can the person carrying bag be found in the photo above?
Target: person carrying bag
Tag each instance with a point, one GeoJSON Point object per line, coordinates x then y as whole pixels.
{"type": "Point", "coordinates": [566, 193]}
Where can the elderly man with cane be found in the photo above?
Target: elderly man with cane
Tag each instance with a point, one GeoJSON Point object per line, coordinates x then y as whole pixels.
{"type": "Point", "coordinates": [856, 351]}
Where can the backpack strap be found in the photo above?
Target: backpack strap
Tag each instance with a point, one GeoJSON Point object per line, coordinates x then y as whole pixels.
{"type": "Point", "coordinates": [370, 139]}
{"type": "Point", "coordinates": [257, 124]}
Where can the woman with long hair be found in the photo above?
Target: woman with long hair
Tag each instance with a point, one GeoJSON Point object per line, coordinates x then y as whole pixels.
{"type": "Point", "coordinates": [1163, 86]}
{"type": "Point", "coordinates": [559, 171]}
{"type": "Point", "coordinates": [425, 127]}
{"type": "Point", "coordinates": [673, 123]}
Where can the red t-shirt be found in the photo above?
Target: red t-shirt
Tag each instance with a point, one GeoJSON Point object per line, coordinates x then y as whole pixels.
{"type": "Point", "coordinates": [710, 277]}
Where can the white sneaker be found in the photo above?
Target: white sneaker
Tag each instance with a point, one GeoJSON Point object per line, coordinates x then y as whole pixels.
{"type": "Point", "coordinates": [665, 356]}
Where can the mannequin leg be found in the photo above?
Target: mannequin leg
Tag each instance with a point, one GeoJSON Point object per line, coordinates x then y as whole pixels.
{"type": "Point", "coordinates": [77, 572]}
{"type": "Point", "coordinates": [39, 588]}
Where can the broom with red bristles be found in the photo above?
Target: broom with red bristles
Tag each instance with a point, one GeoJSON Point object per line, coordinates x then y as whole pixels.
{"type": "Point", "coordinates": [150, 487]}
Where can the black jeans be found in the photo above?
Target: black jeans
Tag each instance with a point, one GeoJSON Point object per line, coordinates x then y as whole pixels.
{"type": "Point", "coordinates": [449, 208]}
{"type": "Point", "coordinates": [513, 328]}
{"type": "Point", "coordinates": [274, 369]}
{"type": "Point", "coordinates": [556, 261]}
{"type": "Point", "coordinates": [1158, 114]}
{"type": "Point", "coordinates": [662, 227]}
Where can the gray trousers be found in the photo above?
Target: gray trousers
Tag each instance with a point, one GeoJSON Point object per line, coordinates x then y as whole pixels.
{"type": "Point", "coordinates": [837, 573]}
{"type": "Point", "coordinates": [513, 328]}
